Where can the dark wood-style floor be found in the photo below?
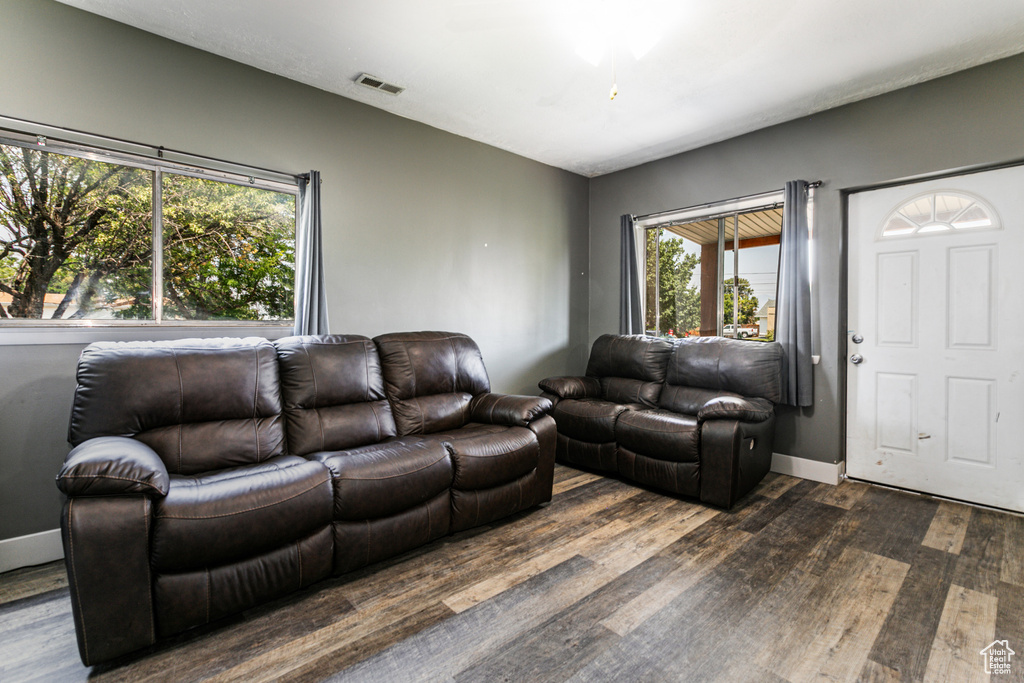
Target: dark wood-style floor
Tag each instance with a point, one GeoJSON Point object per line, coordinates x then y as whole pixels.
{"type": "Point", "coordinates": [611, 582]}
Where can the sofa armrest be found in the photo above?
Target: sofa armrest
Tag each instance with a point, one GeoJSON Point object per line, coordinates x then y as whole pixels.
{"type": "Point", "coordinates": [509, 410]}
{"type": "Point", "coordinates": [734, 457]}
{"type": "Point", "coordinates": [113, 465]}
{"type": "Point", "coordinates": [736, 408]}
{"type": "Point", "coordinates": [571, 387]}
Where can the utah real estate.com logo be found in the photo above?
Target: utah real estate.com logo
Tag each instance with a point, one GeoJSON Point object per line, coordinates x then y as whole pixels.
{"type": "Point", "coordinates": [997, 657]}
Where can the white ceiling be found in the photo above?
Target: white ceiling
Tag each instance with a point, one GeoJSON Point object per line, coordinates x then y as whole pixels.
{"type": "Point", "coordinates": [507, 72]}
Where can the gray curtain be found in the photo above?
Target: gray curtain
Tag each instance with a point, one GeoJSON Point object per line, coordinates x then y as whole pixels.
{"type": "Point", "coordinates": [793, 308]}
{"type": "Point", "coordinates": [630, 313]}
{"type": "Point", "coordinates": [310, 297]}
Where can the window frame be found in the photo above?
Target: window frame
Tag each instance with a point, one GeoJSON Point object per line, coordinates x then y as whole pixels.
{"type": "Point", "coordinates": [30, 331]}
{"type": "Point", "coordinates": [721, 211]}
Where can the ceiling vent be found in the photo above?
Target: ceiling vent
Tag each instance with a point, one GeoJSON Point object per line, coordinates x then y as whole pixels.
{"type": "Point", "coordinates": [379, 84]}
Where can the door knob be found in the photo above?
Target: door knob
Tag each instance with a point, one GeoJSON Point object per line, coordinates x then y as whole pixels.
{"type": "Point", "coordinates": [856, 359]}
{"type": "Point", "coordinates": [857, 339]}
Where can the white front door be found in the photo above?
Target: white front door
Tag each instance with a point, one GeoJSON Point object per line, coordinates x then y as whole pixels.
{"type": "Point", "coordinates": [935, 392]}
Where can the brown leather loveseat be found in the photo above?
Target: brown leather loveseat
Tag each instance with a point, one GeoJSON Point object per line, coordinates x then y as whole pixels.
{"type": "Point", "coordinates": [208, 476]}
{"type": "Point", "coordinates": [693, 417]}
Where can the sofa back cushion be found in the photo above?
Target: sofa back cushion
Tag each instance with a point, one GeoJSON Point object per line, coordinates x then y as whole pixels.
{"type": "Point", "coordinates": [631, 368]}
{"type": "Point", "coordinates": [746, 368]}
{"type": "Point", "coordinates": [333, 393]}
{"type": "Point", "coordinates": [430, 378]}
{"type": "Point", "coordinates": [201, 404]}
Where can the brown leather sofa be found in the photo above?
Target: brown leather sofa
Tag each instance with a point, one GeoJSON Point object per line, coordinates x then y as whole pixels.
{"type": "Point", "coordinates": [208, 476]}
{"type": "Point", "coordinates": [695, 417]}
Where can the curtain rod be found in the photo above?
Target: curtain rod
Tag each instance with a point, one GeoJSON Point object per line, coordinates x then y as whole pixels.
{"type": "Point", "coordinates": [753, 197]}
{"type": "Point", "coordinates": [155, 151]}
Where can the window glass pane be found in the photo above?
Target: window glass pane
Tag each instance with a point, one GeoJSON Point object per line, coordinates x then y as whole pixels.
{"type": "Point", "coordinates": [651, 281]}
{"type": "Point", "coordinates": [755, 287]}
{"type": "Point", "coordinates": [949, 205]}
{"type": "Point", "coordinates": [974, 217]}
{"type": "Point", "coordinates": [684, 275]}
{"type": "Point", "coordinates": [919, 211]}
{"type": "Point", "coordinates": [898, 225]}
{"type": "Point", "coordinates": [75, 237]}
{"type": "Point", "coordinates": [229, 251]}
{"type": "Point", "coordinates": [679, 286]}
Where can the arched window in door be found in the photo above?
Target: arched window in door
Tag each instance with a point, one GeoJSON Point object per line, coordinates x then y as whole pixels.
{"type": "Point", "coordinates": [944, 212]}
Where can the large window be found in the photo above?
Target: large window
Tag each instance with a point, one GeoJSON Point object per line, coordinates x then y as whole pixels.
{"type": "Point", "coordinates": [86, 236]}
{"type": "Point", "coordinates": [713, 270]}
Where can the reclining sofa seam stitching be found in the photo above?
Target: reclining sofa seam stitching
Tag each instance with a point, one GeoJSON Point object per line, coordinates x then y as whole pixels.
{"type": "Point", "coordinates": [241, 475]}
{"type": "Point", "coordinates": [238, 512]}
{"type": "Point", "coordinates": [393, 476]}
{"type": "Point", "coordinates": [256, 381]}
{"type": "Point", "coordinates": [316, 392]}
{"type": "Point", "coordinates": [110, 476]}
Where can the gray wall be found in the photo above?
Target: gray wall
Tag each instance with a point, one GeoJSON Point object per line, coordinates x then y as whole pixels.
{"type": "Point", "coordinates": [423, 229]}
{"type": "Point", "coordinates": [973, 117]}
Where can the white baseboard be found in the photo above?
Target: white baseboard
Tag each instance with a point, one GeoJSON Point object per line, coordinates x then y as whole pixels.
{"type": "Point", "coordinates": [25, 551]}
{"type": "Point", "coordinates": [825, 472]}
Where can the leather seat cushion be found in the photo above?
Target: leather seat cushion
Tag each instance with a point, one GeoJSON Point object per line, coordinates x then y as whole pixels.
{"type": "Point", "coordinates": [660, 434]}
{"type": "Point", "coordinates": [488, 460]}
{"type": "Point", "coordinates": [388, 478]}
{"type": "Point", "coordinates": [237, 513]}
{"type": "Point", "coordinates": [471, 430]}
{"type": "Point", "coordinates": [587, 419]}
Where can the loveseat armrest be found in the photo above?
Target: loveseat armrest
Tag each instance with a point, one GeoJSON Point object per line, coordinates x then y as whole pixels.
{"type": "Point", "coordinates": [736, 408]}
{"type": "Point", "coordinates": [506, 409]}
{"type": "Point", "coordinates": [571, 387]}
{"type": "Point", "coordinates": [735, 457]}
{"type": "Point", "coordinates": [113, 465]}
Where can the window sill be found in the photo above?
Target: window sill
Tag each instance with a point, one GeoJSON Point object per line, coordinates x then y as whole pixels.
{"type": "Point", "coordinates": [85, 333]}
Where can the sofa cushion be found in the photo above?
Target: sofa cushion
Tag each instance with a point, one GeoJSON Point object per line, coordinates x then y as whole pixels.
{"type": "Point", "coordinates": [747, 368]}
{"type": "Point", "coordinates": [660, 434]}
{"type": "Point", "coordinates": [232, 514]}
{"type": "Point", "coordinates": [333, 393]}
{"type": "Point", "coordinates": [487, 460]}
{"type": "Point", "coordinates": [588, 419]}
{"type": "Point", "coordinates": [201, 404]}
{"type": "Point", "coordinates": [430, 378]}
{"type": "Point", "coordinates": [630, 356]}
{"type": "Point", "coordinates": [385, 479]}
{"type": "Point", "coordinates": [470, 430]}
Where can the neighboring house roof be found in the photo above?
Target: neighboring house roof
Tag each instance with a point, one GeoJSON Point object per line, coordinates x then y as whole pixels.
{"type": "Point", "coordinates": [763, 311]}
{"type": "Point", "coordinates": [48, 298]}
